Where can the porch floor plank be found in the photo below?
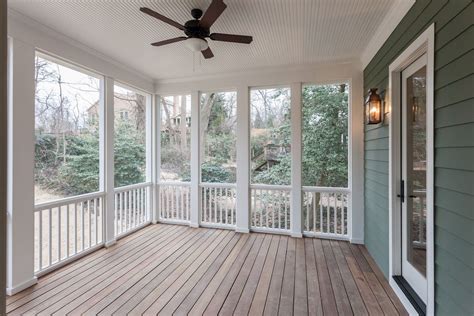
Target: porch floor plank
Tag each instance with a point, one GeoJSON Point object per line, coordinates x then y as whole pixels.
{"type": "Point", "coordinates": [165, 269]}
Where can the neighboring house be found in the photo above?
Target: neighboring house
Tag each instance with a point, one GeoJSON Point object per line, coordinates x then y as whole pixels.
{"type": "Point", "coordinates": [126, 108]}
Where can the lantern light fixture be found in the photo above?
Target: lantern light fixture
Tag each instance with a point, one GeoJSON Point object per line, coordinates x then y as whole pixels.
{"type": "Point", "coordinates": [373, 108]}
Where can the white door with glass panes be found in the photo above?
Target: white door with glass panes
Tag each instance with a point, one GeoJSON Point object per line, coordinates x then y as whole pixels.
{"type": "Point", "coordinates": [414, 175]}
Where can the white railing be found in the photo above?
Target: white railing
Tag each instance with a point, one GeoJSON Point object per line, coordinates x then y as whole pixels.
{"type": "Point", "coordinates": [174, 202]}
{"type": "Point", "coordinates": [326, 212]}
{"type": "Point", "coordinates": [132, 207]}
{"type": "Point", "coordinates": [270, 208]}
{"type": "Point", "coordinates": [419, 218]}
{"type": "Point", "coordinates": [218, 204]}
{"type": "Point", "coordinates": [66, 228]}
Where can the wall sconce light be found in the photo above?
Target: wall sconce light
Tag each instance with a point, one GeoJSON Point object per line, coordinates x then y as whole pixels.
{"type": "Point", "coordinates": [373, 108]}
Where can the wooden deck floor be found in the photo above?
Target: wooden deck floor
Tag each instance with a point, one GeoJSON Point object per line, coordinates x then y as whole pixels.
{"type": "Point", "coordinates": [165, 269]}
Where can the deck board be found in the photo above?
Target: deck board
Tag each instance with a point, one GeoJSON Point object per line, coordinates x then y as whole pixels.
{"type": "Point", "coordinates": [165, 269]}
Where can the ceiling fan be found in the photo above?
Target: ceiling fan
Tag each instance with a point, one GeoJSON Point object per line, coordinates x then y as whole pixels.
{"type": "Point", "coordinates": [198, 30]}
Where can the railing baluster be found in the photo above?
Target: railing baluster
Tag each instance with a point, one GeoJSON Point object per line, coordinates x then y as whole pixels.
{"type": "Point", "coordinates": [313, 198]}
{"type": "Point", "coordinates": [321, 212]}
{"type": "Point", "coordinates": [82, 227]}
{"type": "Point", "coordinates": [140, 206]}
{"type": "Point", "coordinates": [67, 230]}
{"type": "Point", "coordinates": [287, 210]}
{"type": "Point", "coordinates": [90, 220]}
{"type": "Point", "coordinates": [59, 233]}
{"type": "Point", "coordinates": [161, 200]}
{"type": "Point", "coordinates": [168, 207]}
{"type": "Point", "coordinates": [40, 252]}
{"type": "Point", "coordinates": [50, 237]}
{"type": "Point", "coordinates": [75, 228]}
{"type": "Point", "coordinates": [96, 207]}
{"type": "Point", "coordinates": [232, 207]}
{"type": "Point", "coordinates": [203, 205]}
{"type": "Point", "coordinates": [213, 194]}
{"type": "Point", "coordinates": [119, 213]}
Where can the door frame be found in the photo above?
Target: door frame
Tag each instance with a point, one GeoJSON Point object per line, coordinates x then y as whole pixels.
{"type": "Point", "coordinates": [424, 44]}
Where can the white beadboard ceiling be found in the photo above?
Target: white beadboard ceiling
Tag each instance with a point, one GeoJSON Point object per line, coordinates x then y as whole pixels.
{"type": "Point", "coordinates": [285, 32]}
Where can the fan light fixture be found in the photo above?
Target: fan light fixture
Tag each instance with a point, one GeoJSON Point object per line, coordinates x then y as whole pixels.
{"type": "Point", "coordinates": [196, 44]}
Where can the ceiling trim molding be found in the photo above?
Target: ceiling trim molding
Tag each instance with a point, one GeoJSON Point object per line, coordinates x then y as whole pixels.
{"type": "Point", "coordinates": [393, 17]}
{"type": "Point", "coordinates": [269, 70]}
{"type": "Point", "coordinates": [344, 71]}
{"type": "Point", "coordinates": [15, 17]}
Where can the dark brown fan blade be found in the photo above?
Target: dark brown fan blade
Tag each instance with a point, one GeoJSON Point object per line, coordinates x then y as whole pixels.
{"type": "Point", "coordinates": [213, 12]}
{"type": "Point", "coordinates": [207, 53]}
{"type": "Point", "coordinates": [169, 41]}
{"type": "Point", "coordinates": [162, 18]}
{"type": "Point", "coordinates": [231, 38]}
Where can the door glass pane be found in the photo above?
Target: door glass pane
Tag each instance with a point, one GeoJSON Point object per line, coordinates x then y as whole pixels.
{"type": "Point", "coordinates": [416, 166]}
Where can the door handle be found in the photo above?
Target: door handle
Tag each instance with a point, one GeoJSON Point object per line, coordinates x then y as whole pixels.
{"type": "Point", "coordinates": [412, 196]}
{"type": "Point", "coordinates": [402, 191]}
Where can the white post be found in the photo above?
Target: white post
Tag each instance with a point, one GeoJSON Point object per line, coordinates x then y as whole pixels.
{"type": "Point", "coordinates": [355, 217]}
{"type": "Point", "coordinates": [149, 177]}
{"type": "Point", "coordinates": [195, 160]}
{"type": "Point", "coordinates": [20, 172]}
{"type": "Point", "coordinates": [156, 159]}
{"type": "Point", "coordinates": [3, 151]}
{"type": "Point", "coordinates": [243, 161]}
{"type": "Point", "coordinates": [296, 150]}
{"type": "Point", "coordinates": [107, 157]}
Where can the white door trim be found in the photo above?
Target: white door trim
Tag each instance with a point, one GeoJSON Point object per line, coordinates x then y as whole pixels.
{"type": "Point", "coordinates": [424, 44]}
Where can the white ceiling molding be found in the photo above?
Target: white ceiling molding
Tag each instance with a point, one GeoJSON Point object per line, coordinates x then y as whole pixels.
{"type": "Point", "coordinates": [338, 72]}
{"type": "Point", "coordinates": [396, 13]}
{"type": "Point", "coordinates": [285, 32]}
{"type": "Point", "coordinates": [50, 41]}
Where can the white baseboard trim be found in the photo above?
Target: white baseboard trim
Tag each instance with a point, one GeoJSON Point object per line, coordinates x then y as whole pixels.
{"type": "Point", "coordinates": [242, 230]}
{"type": "Point", "coordinates": [357, 241]}
{"type": "Point", "coordinates": [16, 289]}
{"type": "Point", "coordinates": [406, 303]}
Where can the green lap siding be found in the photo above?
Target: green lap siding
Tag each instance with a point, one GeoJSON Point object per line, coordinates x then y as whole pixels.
{"type": "Point", "coordinates": [454, 149]}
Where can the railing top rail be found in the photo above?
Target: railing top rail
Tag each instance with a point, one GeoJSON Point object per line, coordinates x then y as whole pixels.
{"type": "Point", "coordinates": [271, 187]}
{"type": "Point", "coordinates": [175, 183]}
{"type": "Point", "coordinates": [326, 189]}
{"type": "Point", "coordinates": [68, 200]}
{"type": "Point", "coordinates": [218, 185]}
{"type": "Point", "coordinates": [132, 186]}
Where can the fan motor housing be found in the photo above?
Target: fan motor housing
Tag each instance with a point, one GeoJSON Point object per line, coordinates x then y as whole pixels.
{"type": "Point", "coordinates": [194, 30]}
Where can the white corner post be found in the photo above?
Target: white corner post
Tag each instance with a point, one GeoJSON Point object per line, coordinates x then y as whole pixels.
{"type": "Point", "coordinates": [195, 160]}
{"type": "Point", "coordinates": [107, 157]}
{"type": "Point", "coordinates": [356, 160]}
{"type": "Point", "coordinates": [3, 152]}
{"type": "Point", "coordinates": [149, 158]}
{"type": "Point", "coordinates": [296, 154]}
{"type": "Point", "coordinates": [20, 173]}
{"type": "Point", "coordinates": [156, 156]}
{"type": "Point", "coordinates": [243, 161]}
